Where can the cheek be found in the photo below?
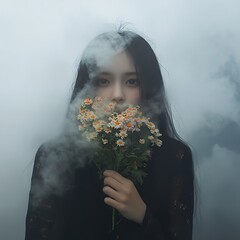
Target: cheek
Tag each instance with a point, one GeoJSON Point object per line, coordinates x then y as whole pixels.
{"type": "Point", "coordinates": [103, 92]}
{"type": "Point", "coordinates": [133, 95]}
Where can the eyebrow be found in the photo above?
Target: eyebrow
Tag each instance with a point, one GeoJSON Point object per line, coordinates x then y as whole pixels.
{"type": "Point", "coordinates": [126, 73]}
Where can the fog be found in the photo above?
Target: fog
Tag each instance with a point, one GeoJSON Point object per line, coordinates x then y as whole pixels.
{"type": "Point", "coordinates": [197, 44]}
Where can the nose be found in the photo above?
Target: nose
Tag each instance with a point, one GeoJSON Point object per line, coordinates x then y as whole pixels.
{"type": "Point", "coordinates": [118, 95]}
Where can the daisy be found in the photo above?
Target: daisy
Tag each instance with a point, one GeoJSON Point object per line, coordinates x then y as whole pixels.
{"type": "Point", "coordinates": [158, 142]}
{"type": "Point", "coordinates": [91, 115]}
{"type": "Point", "coordinates": [150, 138]}
{"type": "Point", "coordinates": [115, 124]}
{"type": "Point", "coordinates": [107, 130]}
{"type": "Point", "coordinates": [120, 142]}
{"type": "Point", "coordinates": [111, 105]}
{"type": "Point", "coordinates": [105, 141]}
{"type": "Point", "coordinates": [98, 129]}
{"type": "Point", "coordinates": [123, 134]}
{"type": "Point", "coordinates": [98, 99]}
{"type": "Point", "coordinates": [92, 136]}
{"type": "Point", "coordinates": [80, 127]}
{"type": "Point", "coordinates": [141, 141]}
{"type": "Point", "coordinates": [85, 117]}
{"type": "Point", "coordinates": [150, 125]}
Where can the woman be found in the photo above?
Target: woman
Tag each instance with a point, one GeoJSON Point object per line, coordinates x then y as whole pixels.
{"type": "Point", "coordinates": [122, 67]}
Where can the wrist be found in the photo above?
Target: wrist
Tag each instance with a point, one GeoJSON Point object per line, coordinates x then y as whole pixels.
{"type": "Point", "coordinates": [142, 214]}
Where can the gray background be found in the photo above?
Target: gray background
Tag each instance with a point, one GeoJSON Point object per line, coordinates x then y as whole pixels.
{"type": "Point", "coordinates": [197, 42]}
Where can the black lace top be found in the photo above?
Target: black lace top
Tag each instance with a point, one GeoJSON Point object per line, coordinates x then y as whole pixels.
{"type": "Point", "coordinates": [80, 211]}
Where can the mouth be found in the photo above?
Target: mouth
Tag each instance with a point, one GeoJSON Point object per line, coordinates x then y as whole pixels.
{"type": "Point", "coordinates": [120, 108]}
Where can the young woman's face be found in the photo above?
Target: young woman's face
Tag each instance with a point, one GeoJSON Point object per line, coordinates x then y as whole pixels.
{"type": "Point", "coordinates": [117, 80]}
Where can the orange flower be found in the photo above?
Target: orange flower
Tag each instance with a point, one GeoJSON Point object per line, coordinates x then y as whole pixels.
{"type": "Point", "coordinates": [88, 101]}
{"type": "Point", "coordinates": [117, 122]}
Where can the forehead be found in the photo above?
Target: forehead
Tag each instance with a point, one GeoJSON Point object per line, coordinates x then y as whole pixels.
{"type": "Point", "coordinates": [119, 63]}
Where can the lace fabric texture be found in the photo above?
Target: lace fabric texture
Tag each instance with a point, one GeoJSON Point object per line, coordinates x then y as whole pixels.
{"type": "Point", "coordinates": [41, 210]}
{"type": "Point", "coordinates": [178, 221]}
{"type": "Point", "coordinates": [167, 192]}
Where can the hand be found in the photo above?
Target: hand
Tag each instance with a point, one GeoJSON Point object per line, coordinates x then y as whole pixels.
{"type": "Point", "coordinates": [123, 196]}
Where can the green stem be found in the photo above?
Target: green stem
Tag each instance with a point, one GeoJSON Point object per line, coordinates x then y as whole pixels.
{"type": "Point", "coordinates": [113, 219]}
{"type": "Point", "coordinates": [118, 156]}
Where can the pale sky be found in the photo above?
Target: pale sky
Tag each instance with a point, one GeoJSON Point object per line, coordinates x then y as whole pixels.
{"type": "Point", "coordinates": [197, 42]}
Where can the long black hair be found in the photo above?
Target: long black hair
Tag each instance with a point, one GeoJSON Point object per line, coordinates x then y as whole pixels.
{"type": "Point", "coordinates": [153, 94]}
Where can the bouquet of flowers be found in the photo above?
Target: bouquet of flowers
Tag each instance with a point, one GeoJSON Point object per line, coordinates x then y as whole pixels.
{"type": "Point", "coordinates": [123, 138]}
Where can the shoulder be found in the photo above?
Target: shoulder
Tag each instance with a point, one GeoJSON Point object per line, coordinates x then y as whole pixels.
{"type": "Point", "coordinates": [55, 148]}
{"type": "Point", "coordinates": [180, 158]}
{"type": "Point", "coordinates": [173, 152]}
{"type": "Point", "coordinates": [176, 147]}
{"type": "Point", "coordinates": [51, 154]}
{"type": "Point", "coordinates": [53, 166]}
{"type": "Point", "coordinates": [53, 144]}
{"type": "Point", "coordinates": [44, 150]}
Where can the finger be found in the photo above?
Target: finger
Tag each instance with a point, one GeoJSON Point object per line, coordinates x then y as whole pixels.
{"type": "Point", "coordinates": [113, 194]}
{"type": "Point", "coordinates": [115, 175]}
{"type": "Point", "coordinates": [113, 183]}
{"type": "Point", "coordinates": [113, 203]}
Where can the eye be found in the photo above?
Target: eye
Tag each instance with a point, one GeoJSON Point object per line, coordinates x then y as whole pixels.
{"type": "Point", "coordinates": [102, 82]}
{"type": "Point", "coordinates": [132, 82]}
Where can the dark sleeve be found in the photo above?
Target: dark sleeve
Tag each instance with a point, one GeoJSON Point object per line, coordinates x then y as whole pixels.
{"type": "Point", "coordinates": [178, 217]}
{"type": "Point", "coordinates": [41, 209]}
